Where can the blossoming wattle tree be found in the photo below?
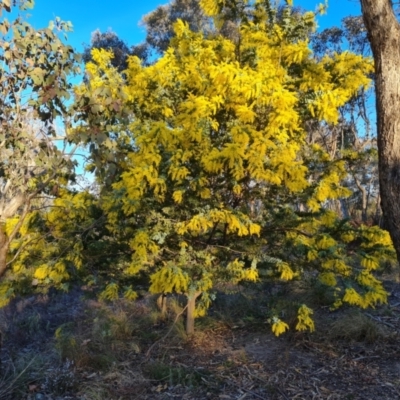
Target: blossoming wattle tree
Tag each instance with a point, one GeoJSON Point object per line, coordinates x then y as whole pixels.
{"type": "Point", "coordinates": [213, 166]}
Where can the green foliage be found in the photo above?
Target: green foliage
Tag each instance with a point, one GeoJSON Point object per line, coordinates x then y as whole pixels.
{"type": "Point", "coordinates": [56, 246]}
{"type": "Point", "coordinates": [111, 42]}
{"type": "Point", "coordinates": [66, 343]}
{"type": "Point", "coordinates": [34, 89]}
{"type": "Point", "coordinates": [159, 22]}
{"type": "Point", "coordinates": [99, 342]}
{"type": "Point", "coordinates": [15, 378]}
{"type": "Point", "coordinates": [184, 376]}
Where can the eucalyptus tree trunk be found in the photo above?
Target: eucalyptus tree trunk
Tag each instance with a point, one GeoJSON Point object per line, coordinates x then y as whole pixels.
{"type": "Point", "coordinates": [384, 36]}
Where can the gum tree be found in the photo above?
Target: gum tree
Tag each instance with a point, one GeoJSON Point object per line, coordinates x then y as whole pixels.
{"type": "Point", "coordinates": [384, 35]}
{"type": "Point", "coordinates": [34, 88]}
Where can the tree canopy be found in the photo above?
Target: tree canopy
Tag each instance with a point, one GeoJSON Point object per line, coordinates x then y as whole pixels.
{"type": "Point", "coordinates": [216, 177]}
{"type": "Point", "coordinates": [34, 89]}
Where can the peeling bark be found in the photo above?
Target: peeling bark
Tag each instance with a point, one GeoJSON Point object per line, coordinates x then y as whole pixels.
{"type": "Point", "coordinates": [8, 208]}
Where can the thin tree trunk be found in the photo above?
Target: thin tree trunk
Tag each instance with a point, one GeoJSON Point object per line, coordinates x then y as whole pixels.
{"type": "Point", "coordinates": [3, 252]}
{"type": "Point", "coordinates": [384, 35]}
{"type": "Point", "coordinates": [378, 213]}
{"type": "Point", "coordinates": [162, 304]}
{"type": "Point", "coordinates": [5, 239]}
{"type": "Point", "coordinates": [191, 307]}
{"type": "Point", "coordinates": [344, 209]}
{"type": "Point", "coordinates": [364, 199]}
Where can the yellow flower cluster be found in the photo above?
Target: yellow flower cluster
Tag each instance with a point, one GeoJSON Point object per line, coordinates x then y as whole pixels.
{"type": "Point", "coordinates": [239, 273]}
{"type": "Point", "coordinates": [304, 319]}
{"type": "Point", "coordinates": [278, 326]}
{"type": "Point", "coordinates": [286, 272]}
{"type": "Point", "coordinates": [169, 279]}
{"type": "Point", "coordinates": [376, 295]}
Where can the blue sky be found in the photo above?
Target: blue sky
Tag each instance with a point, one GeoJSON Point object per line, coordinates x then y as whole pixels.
{"type": "Point", "coordinates": [123, 16]}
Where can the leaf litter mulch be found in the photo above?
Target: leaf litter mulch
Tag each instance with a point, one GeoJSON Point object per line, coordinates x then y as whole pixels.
{"type": "Point", "coordinates": [254, 366]}
{"type": "Point", "coordinates": [338, 361]}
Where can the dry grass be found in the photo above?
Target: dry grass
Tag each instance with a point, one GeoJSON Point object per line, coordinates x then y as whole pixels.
{"type": "Point", "coordinates": [65, 347]}
{"type": "Point", "coordinates": [17, 374]}
{"type": "Point", "coordinates": [356, 326]}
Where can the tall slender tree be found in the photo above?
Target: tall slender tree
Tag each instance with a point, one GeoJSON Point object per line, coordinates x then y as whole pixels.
{"type": "Point", "coordinates": [384, 35]}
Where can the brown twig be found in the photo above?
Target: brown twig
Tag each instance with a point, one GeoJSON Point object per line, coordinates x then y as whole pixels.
{"type": "Point", "coordinates": [264, 381]}
{"type": "Point", "coordinates": [379, 320]}
{"type": "Point", "coordinates": [251, 392]}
